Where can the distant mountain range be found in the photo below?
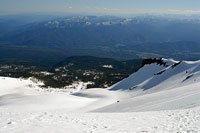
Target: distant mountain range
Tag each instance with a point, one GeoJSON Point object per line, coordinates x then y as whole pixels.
{"type": "Point", "coordinates": [103, 36]}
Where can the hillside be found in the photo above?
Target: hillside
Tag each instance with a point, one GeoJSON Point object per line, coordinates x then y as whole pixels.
{"type": "Point", "coordinates": [88, 70]}
{"type": "Point", "coordinates": [162, 96]}
{"type": "Point", "coordinates": [163, 81]}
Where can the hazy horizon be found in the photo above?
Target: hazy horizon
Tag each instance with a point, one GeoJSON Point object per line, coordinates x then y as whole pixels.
{"type": "Point", "coordinates": [104, 7]}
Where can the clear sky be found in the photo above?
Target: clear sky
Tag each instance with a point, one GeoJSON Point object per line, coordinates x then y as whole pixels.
{"type": "Point", "coordinates": [101, 6]}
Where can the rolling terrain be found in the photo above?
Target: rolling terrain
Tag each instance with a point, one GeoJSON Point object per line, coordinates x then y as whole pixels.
{"type": "Point", "coordinates": [162, 96]}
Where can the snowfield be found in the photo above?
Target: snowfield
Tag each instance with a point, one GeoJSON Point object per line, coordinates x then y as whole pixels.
{"type": "Point", "coordinates": [63, 122]}
{"type": "Point", "coordinates": [157, 98]}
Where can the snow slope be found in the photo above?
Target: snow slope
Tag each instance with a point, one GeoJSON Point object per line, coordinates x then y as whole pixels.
{"type": "Point", "coordinates": [24, 95]}
{"type": "Point", "coordinates": [157, 98]}
{"type": "Point", "coordinates": [152, 78]}
{"type": "Point", "coordinates": [178, 121]}
{"type": "Point", "coordinates": [180, 98]}
{"type": "Point", "coordinates": [156, 87]}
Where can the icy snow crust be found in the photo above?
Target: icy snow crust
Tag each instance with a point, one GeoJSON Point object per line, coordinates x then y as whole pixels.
{"type": "Point", "coordinates": [154, 99]}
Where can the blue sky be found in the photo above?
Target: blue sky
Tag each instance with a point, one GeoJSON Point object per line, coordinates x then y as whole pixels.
{"type": "Point", "coordinates": [101, 6]}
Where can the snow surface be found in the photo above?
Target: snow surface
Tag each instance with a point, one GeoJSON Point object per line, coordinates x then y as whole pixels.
{"type": "Point", "coordinates": [178, 121]}
{"type": "Point", "coordinates": [154, 99]}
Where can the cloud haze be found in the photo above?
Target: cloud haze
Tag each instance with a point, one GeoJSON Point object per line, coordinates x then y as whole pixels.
{"type": "Point", "coordinates": [101, 6]}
